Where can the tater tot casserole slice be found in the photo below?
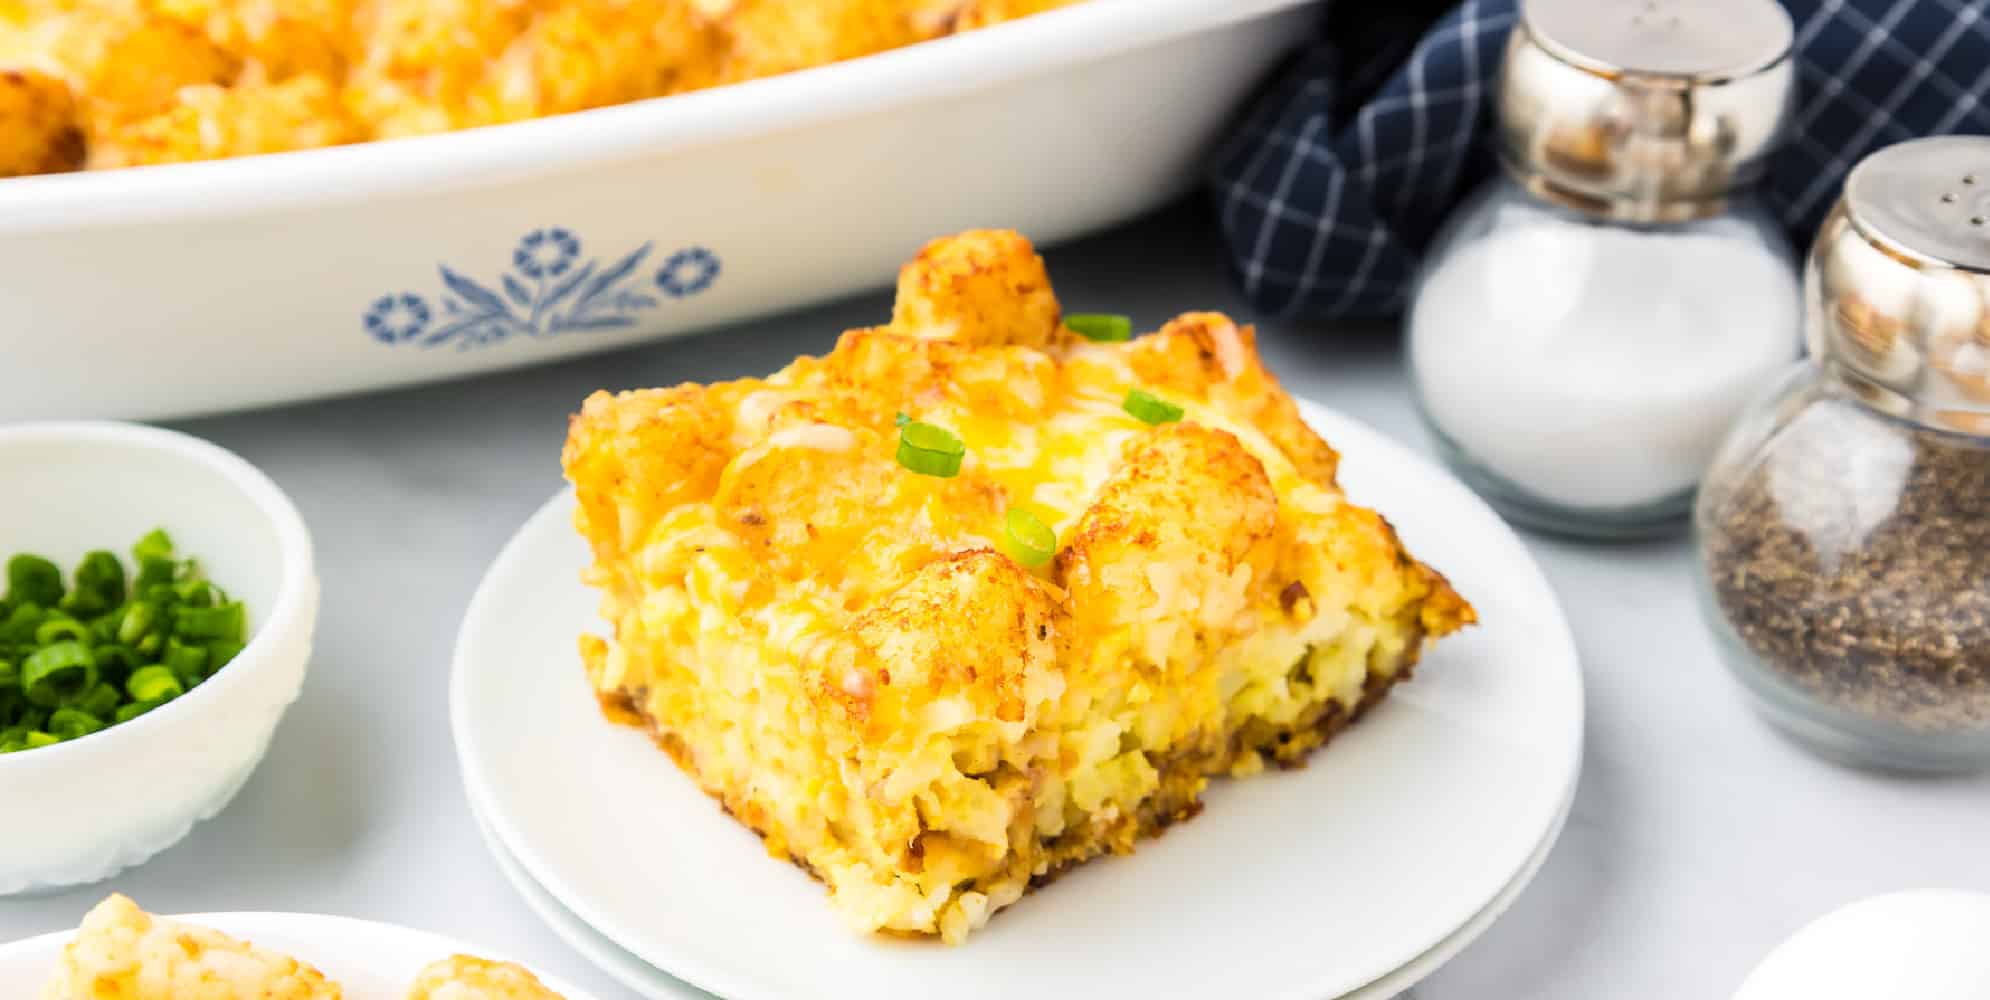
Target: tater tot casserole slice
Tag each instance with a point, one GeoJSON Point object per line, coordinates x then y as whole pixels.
{"type": "Point", "coordinates": [124, 953]}
{"type": "Point", "coordinates": [852, 656]}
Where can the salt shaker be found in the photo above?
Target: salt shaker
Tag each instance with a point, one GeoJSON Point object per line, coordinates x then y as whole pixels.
{"type": "Point", "coordinates": [1844, 529]}
{"type": "Point", "coordinates": [1588, 325]}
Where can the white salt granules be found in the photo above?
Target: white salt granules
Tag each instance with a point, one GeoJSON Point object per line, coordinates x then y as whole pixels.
{"type": "Point", "coordinates": [1598, 367]}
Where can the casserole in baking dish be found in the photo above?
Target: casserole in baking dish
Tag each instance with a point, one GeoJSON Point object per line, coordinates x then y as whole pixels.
{"type": "Point", "coordinates": [191, 288]}
{"type": "Point", "coordinates": [98, 84]}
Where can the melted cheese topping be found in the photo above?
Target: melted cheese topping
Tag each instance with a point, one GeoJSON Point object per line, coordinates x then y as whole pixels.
{"type": "Point", "coordinates": [127, 82]}
{"type": "Point", "coordinates": [838, 649]}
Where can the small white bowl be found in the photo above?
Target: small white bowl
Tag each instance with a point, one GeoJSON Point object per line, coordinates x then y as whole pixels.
{"type": "Point", "coordinates": [102, 803]}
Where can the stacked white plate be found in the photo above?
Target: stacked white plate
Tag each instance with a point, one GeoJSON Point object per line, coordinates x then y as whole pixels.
{"type": "Point", "coordinates": [1356, 876]}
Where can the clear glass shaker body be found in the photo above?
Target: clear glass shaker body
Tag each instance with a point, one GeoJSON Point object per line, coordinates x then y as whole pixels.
{"type": "Point", "coordinates": [1580, 372]}
{"type": "Point", "coordinates": [1843, 531]}
{"type": "Point", "coordinates": [1845, 571]}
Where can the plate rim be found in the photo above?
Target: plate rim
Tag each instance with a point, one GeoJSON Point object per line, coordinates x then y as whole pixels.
{"type": "Point", "coordinates": [1334, 425]}
{"type": "Point", "coordinates": [558, 921]}
{"type": "Point", "coordinates": [241, 924]}
{"type": "Point", "coordinates": [653, 985]}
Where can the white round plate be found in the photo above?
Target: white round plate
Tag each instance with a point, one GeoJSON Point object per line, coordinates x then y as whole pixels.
{"type": "Point", "coordinates": [647, 980]}
{"type": "Point", "coordinates": [653, 983]}
{"type": "Point", "coordinates": [371, 961]}
{"type": "Point", "coordinates": [1297, 885]}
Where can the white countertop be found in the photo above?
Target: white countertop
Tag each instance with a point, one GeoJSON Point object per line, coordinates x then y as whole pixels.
{"type": "Point", "coordinates": [1698, 838]}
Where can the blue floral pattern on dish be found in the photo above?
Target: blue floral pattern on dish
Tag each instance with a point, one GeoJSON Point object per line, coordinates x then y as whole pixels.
{"type": "Point", "coordinates": [688, 272]}
{"type": "Point", "coordinates": [395, 318]}
{"type": "Point", "coordinates": [551, 289]}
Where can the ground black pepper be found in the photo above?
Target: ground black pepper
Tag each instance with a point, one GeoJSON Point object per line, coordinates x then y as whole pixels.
{"type": "Point", "coordinates": [1853, 559]}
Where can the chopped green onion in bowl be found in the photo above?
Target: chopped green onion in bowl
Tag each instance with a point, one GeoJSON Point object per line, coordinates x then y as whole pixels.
{"type": "Point", "coordinates": [930, 450]}
{"type": "Point", "coordinates": [33, 580]}
{"type": "Point", "coordinates": [100, 702]}
{"type": "Point", "coordinates": [133, 709]}
{"type": "Point", "coordinates": [77, 659]}
{"type": "Point", "coordinates": [53, 630]}
{"type": "Point", "coordinates": [73, 723]}
{"type": "Point", "coordinates": [1104, 328]}
{"type": "Point", "coordinates": [58, 671]}
{"type": "Point", "coordinates": [1149, 408]}
{"type": "Point", "coordinates": [155, 684]}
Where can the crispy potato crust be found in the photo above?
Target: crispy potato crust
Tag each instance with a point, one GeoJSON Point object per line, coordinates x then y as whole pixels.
{"type": "Point", "coordinates": [850, 658]}
{"type": "Point", "coordinates": [132, 82]}
{"type": "Point", "coordinates": [123, 953]}
{"type": "Point", "coordinates": [466, 977]}
{"type": "Point", "coordinates": [41, 131]}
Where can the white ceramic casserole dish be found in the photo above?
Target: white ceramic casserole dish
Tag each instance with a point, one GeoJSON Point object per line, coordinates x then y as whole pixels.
{"type": "Point", "coordinates": [176, 290]}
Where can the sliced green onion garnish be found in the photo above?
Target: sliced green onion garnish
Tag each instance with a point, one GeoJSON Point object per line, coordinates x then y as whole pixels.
{"type": "Point", "coordinates": [1027, 539]}
{"type": "Point", "coordinates": [133, 709]}
{"type": "Point", "coordinates": [101, 700]}
{"type": "Point", "coordinates": [928, 463]}
{"type": "Point", "coordinates": [109, 648]}
{"type": "Point", "coordinates": [19, 628]}
{"type": "Point", "coordinates": [154, 571]}
{"type": "Point", "coordinates": [139, 618]}
{"type": "Point", "coordinates": [220, 652]}
{"type": "Point", "coordinates": [57, 629]}
{"type": "Point", "coordinates": [73, 723]}
{"type": "Point", "coordinates": [57, 671]}
{"type": "Point", "coordinates": [116, 662]}
{"type": "Point", "coordinates": [930, 450]}
{"type": "Point", "coordinates": [33, 580]}
{"type": "Point", "coordinates": [1149, 408]}
{"type": "Point", "coordinates": [188, 663]}
{"type": "Point", "coordinates": [221, 622]}
{"type": "Point", "coordinates": [99, 586]}
{"type": "Point", "coordinates": [901, 419]}
{"type": "Point", "coordinates": [1101, 327]}
{"type": "Point", "coordinates": [930, 437]}
{"type": "Point", "coordinates": [153, 683]}
{"type": "Point", "coordinates": [155, 545]}
{"type": "Point", "coordinates": [195, 593]}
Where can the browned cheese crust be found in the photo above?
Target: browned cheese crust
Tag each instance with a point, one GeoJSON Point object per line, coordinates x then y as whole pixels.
{"type": "Point", "coordinates": [855, 658]}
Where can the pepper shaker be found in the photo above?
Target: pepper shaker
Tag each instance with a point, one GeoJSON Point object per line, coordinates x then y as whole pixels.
{"type": "Point", "coordinates": [1587, 326]}
{"type": "Point", "coordinates": [1844, 529]}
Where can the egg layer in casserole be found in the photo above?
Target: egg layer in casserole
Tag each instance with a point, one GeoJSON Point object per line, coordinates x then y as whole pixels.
{"type": "Point", "coordinates": [841, 650]}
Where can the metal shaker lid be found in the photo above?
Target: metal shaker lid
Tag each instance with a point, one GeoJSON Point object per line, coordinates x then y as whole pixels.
{"type": "Point", "coordinates": [1644, 110]}
{"type": "Point", "coordinates": [1900, 281]}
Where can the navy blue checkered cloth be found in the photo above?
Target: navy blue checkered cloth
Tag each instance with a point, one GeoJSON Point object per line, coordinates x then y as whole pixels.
{"type": "Point", "coordinates": [1342, 172]}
